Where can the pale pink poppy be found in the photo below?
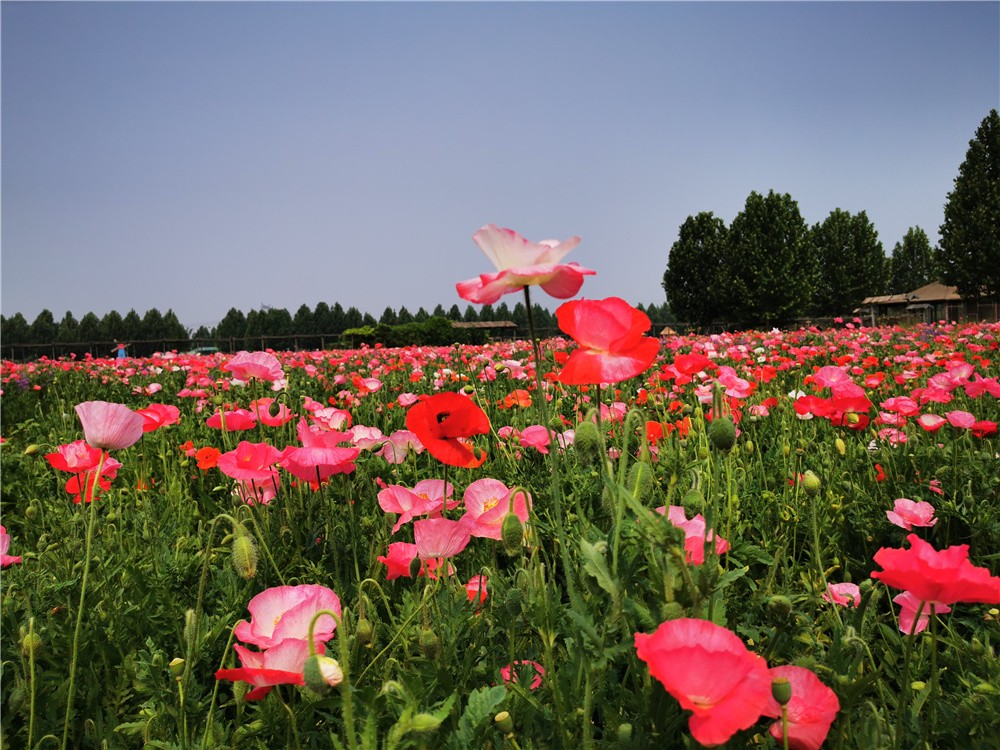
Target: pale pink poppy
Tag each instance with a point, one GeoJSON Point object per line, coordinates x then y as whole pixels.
{"type": "Point", "coordinates": [317, 464]}
{"type": "Point", "coordinates": [909, 604]}
{"type": "Point", "coordinates": [440, 537]}
{"type": "Point", "coordinates": [315, 436]}
{"type": "Point", "coordinates": [252, 462]}
{"type": "Point", "coordinates": [285, 612]}
{"type": "Point", "coordinates": [6, 560]}
{"type": "Point", "coordinates": [366, 438]}
{"type": "Point", "coordinates": [845, 594]}
{"type": "Point", "coordinates": [332, 418]}
{"type": "Point", "coordinates": [246, 366]}
{"type": "Point", "coordinates": [931, 422]}
{"type": "Point", "coordinates": [961, 419]}
{"type": "Point", "coordinates": [109, 426]}
{"type": "Point", "coordinates": [829, 376]}
{"type": "Point", "coordinates": [427, 496]}
{"type": "Point", "coordinates": [695, 535]}
{"type": "Point", "coordinates": [908, 513]}
{"type": "Point", "coordinates": [398, 445]}
{"type": "Point", "coordinates": [521, 263]}
{"type": "Point", "coordinates": [406, 399]}
{"type": "Point", "coordinates": [810, 712]}
{"type": "Point", "coordinates": [487, 503]}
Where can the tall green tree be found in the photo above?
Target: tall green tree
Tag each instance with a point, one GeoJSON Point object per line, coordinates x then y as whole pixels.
{"type": "Point", "coordinates": [912, 263]}
{"type": "Point", "coordinates": [353, 318]}
{"type": "Point", "coordinates": [132, 327]}
{"type": "Point", "coordinates": [174, 331]}
{"type": "Point", "coordinates": [338, 319]}
{"type": "Point", "coordinates": [389, 317]}
{"type": "Point", "coordinates": [44, 328]}
{"type": "Point", "coordinates": [232, 326]}
{"type": "Point", "coordinates": [969, 250]}
{"type": "Point", "coordinates": [695, 277]}
{"type": "Point", "coordinates": [113, 326]}
{"type": "Point", "coordinates": [771, 271]}
{"type": "Point", "coordinates": [852, 263]}
{"type": "Point", "coordinates": [90, 328]}
{"type": "Point", "coordinates": [322, 318]}
{"type": "Point", "coordinates": [14, 330]}
{"type": "Point", "coordinates": [69, 329]}
{"type": "Point", "coordinates": [303, 322]}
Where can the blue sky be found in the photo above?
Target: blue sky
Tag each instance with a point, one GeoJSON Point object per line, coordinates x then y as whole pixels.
{"type": "Point", "coordinates": [202, 156]}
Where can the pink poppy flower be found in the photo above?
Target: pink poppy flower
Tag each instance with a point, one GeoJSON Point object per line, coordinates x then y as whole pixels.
{"type": "Point", "coordinates": [156, 416]}
{"type": "Point", "coordinates": [513, 671]}
{"type": "Point", "coordinates": [398, 445]}
{"type": "Point", "coordinates": [844, 594]}
{"type": "Point", "coordinates": [931, 422]}
{"type": "Point", "coordinates": [695, 536]}
{"type": "Point", "coordinates": [109, 426]}
{"type": "Point", "coordinates": [282, 664]}
{"type": "Point", "coordinates": [476, 589]}
{"type": "Point", "coordinates": [250, 462]}
{"type": "Point", "coordinates": [909, 605]}
{"type": "Point", "coordinates": [536, 436]}
{"type": "Point", "coordinates": [257, 493]}
{"type": "Point", "coordinates": [284, 612]}
{"type": "Point", "coordinates": [426, 497]}
{"type": "Point", "coordinates": [246, 366]}
{"type": "Point", "coordinates": [263, 407]}
{"type": "Point", "coordinates": [236, 420]}
{"type": "Point", "coordinates": [811, 710]}
{"type": "Point", "coordinates": [331, 418]}
{"type": "Point", "coordinates": [612, 347]}
{"type": "Point", "coordinates": [961, 419]}
{"type": "Point", "coordinates": [366, 438]}
{"type": "Point", "coordinates": [521, 263]}
{"type": "Point", "coordinates": [487, 503]}
{"type": "Point", "coordinates": [317, 464]}
{"type": "Point", "coordinates": [7, 560]}
{"type": "Point", "coordinates": [398, 559]}
{"type": "Point", "coordinates": [710, 672]}
{"type": "Point", "coordinates": [75, 457]}
{"type": "Point", "coordinates": [316, 436]}
{"type": "Point", "coordinates": [907, 513]}
{"type": "Point", "coordinates": [941, 576]}
{"type": "Point", "coordinates": [440, 537]}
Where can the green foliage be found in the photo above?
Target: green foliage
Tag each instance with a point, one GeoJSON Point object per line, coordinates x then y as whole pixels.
{"type": "Point", "coordinates": [969, 250]}
{"type": "Point", "coordinates": [772, 270]}
{"type": "Point", "coordinates": [912, 264]}
{"type": "Point", "coordinates": [852, 263]}
{"type": "Point", "coordinates": [695, 279]}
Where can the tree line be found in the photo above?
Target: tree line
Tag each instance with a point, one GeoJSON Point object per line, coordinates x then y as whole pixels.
{"type": "Point", "coordinates": [769, 268]}
{"type": "Point", "coordinates": [322, 325]}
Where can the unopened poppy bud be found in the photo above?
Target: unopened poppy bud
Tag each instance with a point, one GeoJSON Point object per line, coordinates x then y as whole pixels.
{"type": "Point", "coordinates": [722, 433]}
{"type": "Point", "coordinates": [176, 667]}
{"type": "Point", "coordinates": [415, 564]}
{"type": "Point", "coordinates": [694, 501]}
{"type": "Point", "coordinates": [512, 602]}
{"type": "Point", "coordinates": [244, 555]}
{"type": "Point", "coordinates": [625, 733]}
{"type": "Point", "coordinates": [840, 446]}
{"type": "Point", "coordinates": [587, 443]}
{"type": "Point", "coordinates": [32, 449]}
{"type": "Point", "coordinates": [851, 418]}
{"type": "Point", "coordinates": [811, 483]}
{"type": "Point", "coordinates": [917, 686]}
{"type": "Point", "coordinates": [322, 673]}
{"type": "Point", "coordinates": [780, 606]}
{"type": "Point", "coordinates": [640, 479]}
{"type": "Point", "coordinates": [30, 644]}
{"type": "Point", "coordinates": [424, 723]}
{"type": "Point", "coordinates": [364, 631]}
{"type": "Point", "coordinates": [468, 390]}
{"type": "Point", "coordinates": [504, 722]}
{"type": "Point", "coordinates": [430, 643]}
{"type": "Point", "coordinates": [781, 690]}
{"type": "Point", "coordinates": [748, 447]}
{"type": "Point", "coordinates": [512, 533]}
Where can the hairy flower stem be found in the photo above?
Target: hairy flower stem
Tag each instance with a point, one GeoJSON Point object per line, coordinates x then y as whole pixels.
{"type": "Point", "coordinates": [91, 514]}
{"type": "Point", "coordinates": [556, 481]}
{"type": "Point", "coordinates": [31, 681]}
{"type": "Point", "coordinates": [904, 686]}
{"type": "Point", "coordinates": [347, 703]}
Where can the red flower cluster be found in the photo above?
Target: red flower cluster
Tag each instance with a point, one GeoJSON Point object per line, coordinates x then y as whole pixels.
{"type": "Point", "coordinates": [443, 421]}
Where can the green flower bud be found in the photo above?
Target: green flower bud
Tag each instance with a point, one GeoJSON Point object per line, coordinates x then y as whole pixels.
{"type": "Point", "coordinates": [811, 483]}
{"type": "Point", "coordinates": [322, 673]}
{"type": "Point", "coordinates": [430, 643]}
{"type": "Point", "coordinates": [504, 722]}
{"type": "Point", "coordinates": [840, 446]}
{"type": "Point", "coordinates": [722, 433]}
{"type": "Point", "coordinates": [624, 733]}
{"type": "Point", "coordinates": [364, 631]}
{"type": "Point", "coordinates": [176, 667]}
{"type": "Point", "coordinates": [424, 723]}
{"type": "Point", "coordinates": [244, 555]}
{"type": "Point", "coordinates": [31, 643]}
{"type": "Point", "coordinates": [512, 534]}
{"type": "Point", "coordinates": [640, 479]}
{"type": "Point", "coordinates": [32, 449]}
{"type": "Point", "coordinates": [587, 443]}
{"type": "Point", "coordinates": [780, 606]}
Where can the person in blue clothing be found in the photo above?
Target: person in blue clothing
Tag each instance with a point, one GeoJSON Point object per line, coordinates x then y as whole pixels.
{"type": "Point", "coordinates": [120, 352]}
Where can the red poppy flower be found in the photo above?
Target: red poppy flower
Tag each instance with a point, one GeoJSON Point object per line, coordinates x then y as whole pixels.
{"type": "Point", "coordinates": [252, 462]}
{"type": "Point", "coordinates": [442, 420]}
{"type": "Point", "coordinates": [944, 576]}
{"type": "Point", "coordinates": [710, 672]}
{"type": "Point", "coordinates": [610, 335]}
{"type": "Point", "coordinates": [811, 710]}
{"type": "Point", "coordinates": [156, 416]}
{"type": "Point", "coordinates": [207, 457]}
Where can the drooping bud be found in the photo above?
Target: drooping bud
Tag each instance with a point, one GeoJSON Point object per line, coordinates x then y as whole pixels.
{"type": "Point", "coordinates": [722, 433]}
{"type": "Point", "coordinates": [244, 554]}
{"type": "Point", "coordinates": [31, 643]}
{"type": "Point", "coordinates": [424, 722]}
{"type": "Point", "coordinates": [640, 479]}
{"type": "Point", "coordinates": [512, 534]}
{"type": "Point", "coordinates": [364, 631]}
{"type": "Point", "coordinates": [587, 443]}
{"type": "Point", "coordinates": [430, 643]}
{"type": "Point", "coordinates": [322, 673]}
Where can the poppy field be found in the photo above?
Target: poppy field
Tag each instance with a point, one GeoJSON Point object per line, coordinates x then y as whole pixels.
{"type": "Point", "coordinates": [784, 539]}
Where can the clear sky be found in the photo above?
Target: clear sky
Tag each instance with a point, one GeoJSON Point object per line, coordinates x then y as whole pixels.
{"type": "Point", "coordinates": [201, 156]}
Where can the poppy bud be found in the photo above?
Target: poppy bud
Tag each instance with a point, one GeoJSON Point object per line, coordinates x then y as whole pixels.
{"type": "Point", "coordinates": [424, 723]}
{"type": "Point", "coordinates": [780, 606]}
{"type": "Point", "coordinates": [30, 644]}
{"type": "Point", "coordinates": [430, 643]}
{"type": "Point", "coordinates": [244, 555]}
{"type": "Point", "coordinates": [512, 534]}
{"type": "Point", "coordinates": [322, 673]}
{"type": "Point", "coordinates": [176, 667]}
{"type": "Point", "coordinates": [722, 433]}
{"type": "Point", "coordinates": [640, 480]}
{"type": "Point", "coordinates": [364, 631]}
{"type": "Point", "coordinates": [811, 483]}
{"type": "Point", "coordinates": [415, 565]}
{"type": "Point", "coordinates": [694, 501]}
{"type": "Point", "coordinates": [840, 446]}
{"type": "Point", "coordinates": [587, 443]}
{"type": "Point", "coordinates": [512, 602]}
{"type": "Point", "coordinates": [748, 447]}
{"type": "Point", "coordinates": [781, 690]}
{"type": "Point", "coordinates": [625, 733]}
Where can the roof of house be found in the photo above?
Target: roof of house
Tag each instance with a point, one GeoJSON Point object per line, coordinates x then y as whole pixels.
{"type": "Point", "coordinates": [485, 324]}
{"type": "Point", "coordinates": [933, 292]}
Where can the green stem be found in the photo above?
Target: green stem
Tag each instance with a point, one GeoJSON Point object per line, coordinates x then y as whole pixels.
{"type": "Point", "coordinates": [345, 656]}
{"type": "Point", "coordinates": [31, 679]}
{"type": "Point", "coordinates": [91, 513]}
{"type": "Point", "coordinates": [904, 687]}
